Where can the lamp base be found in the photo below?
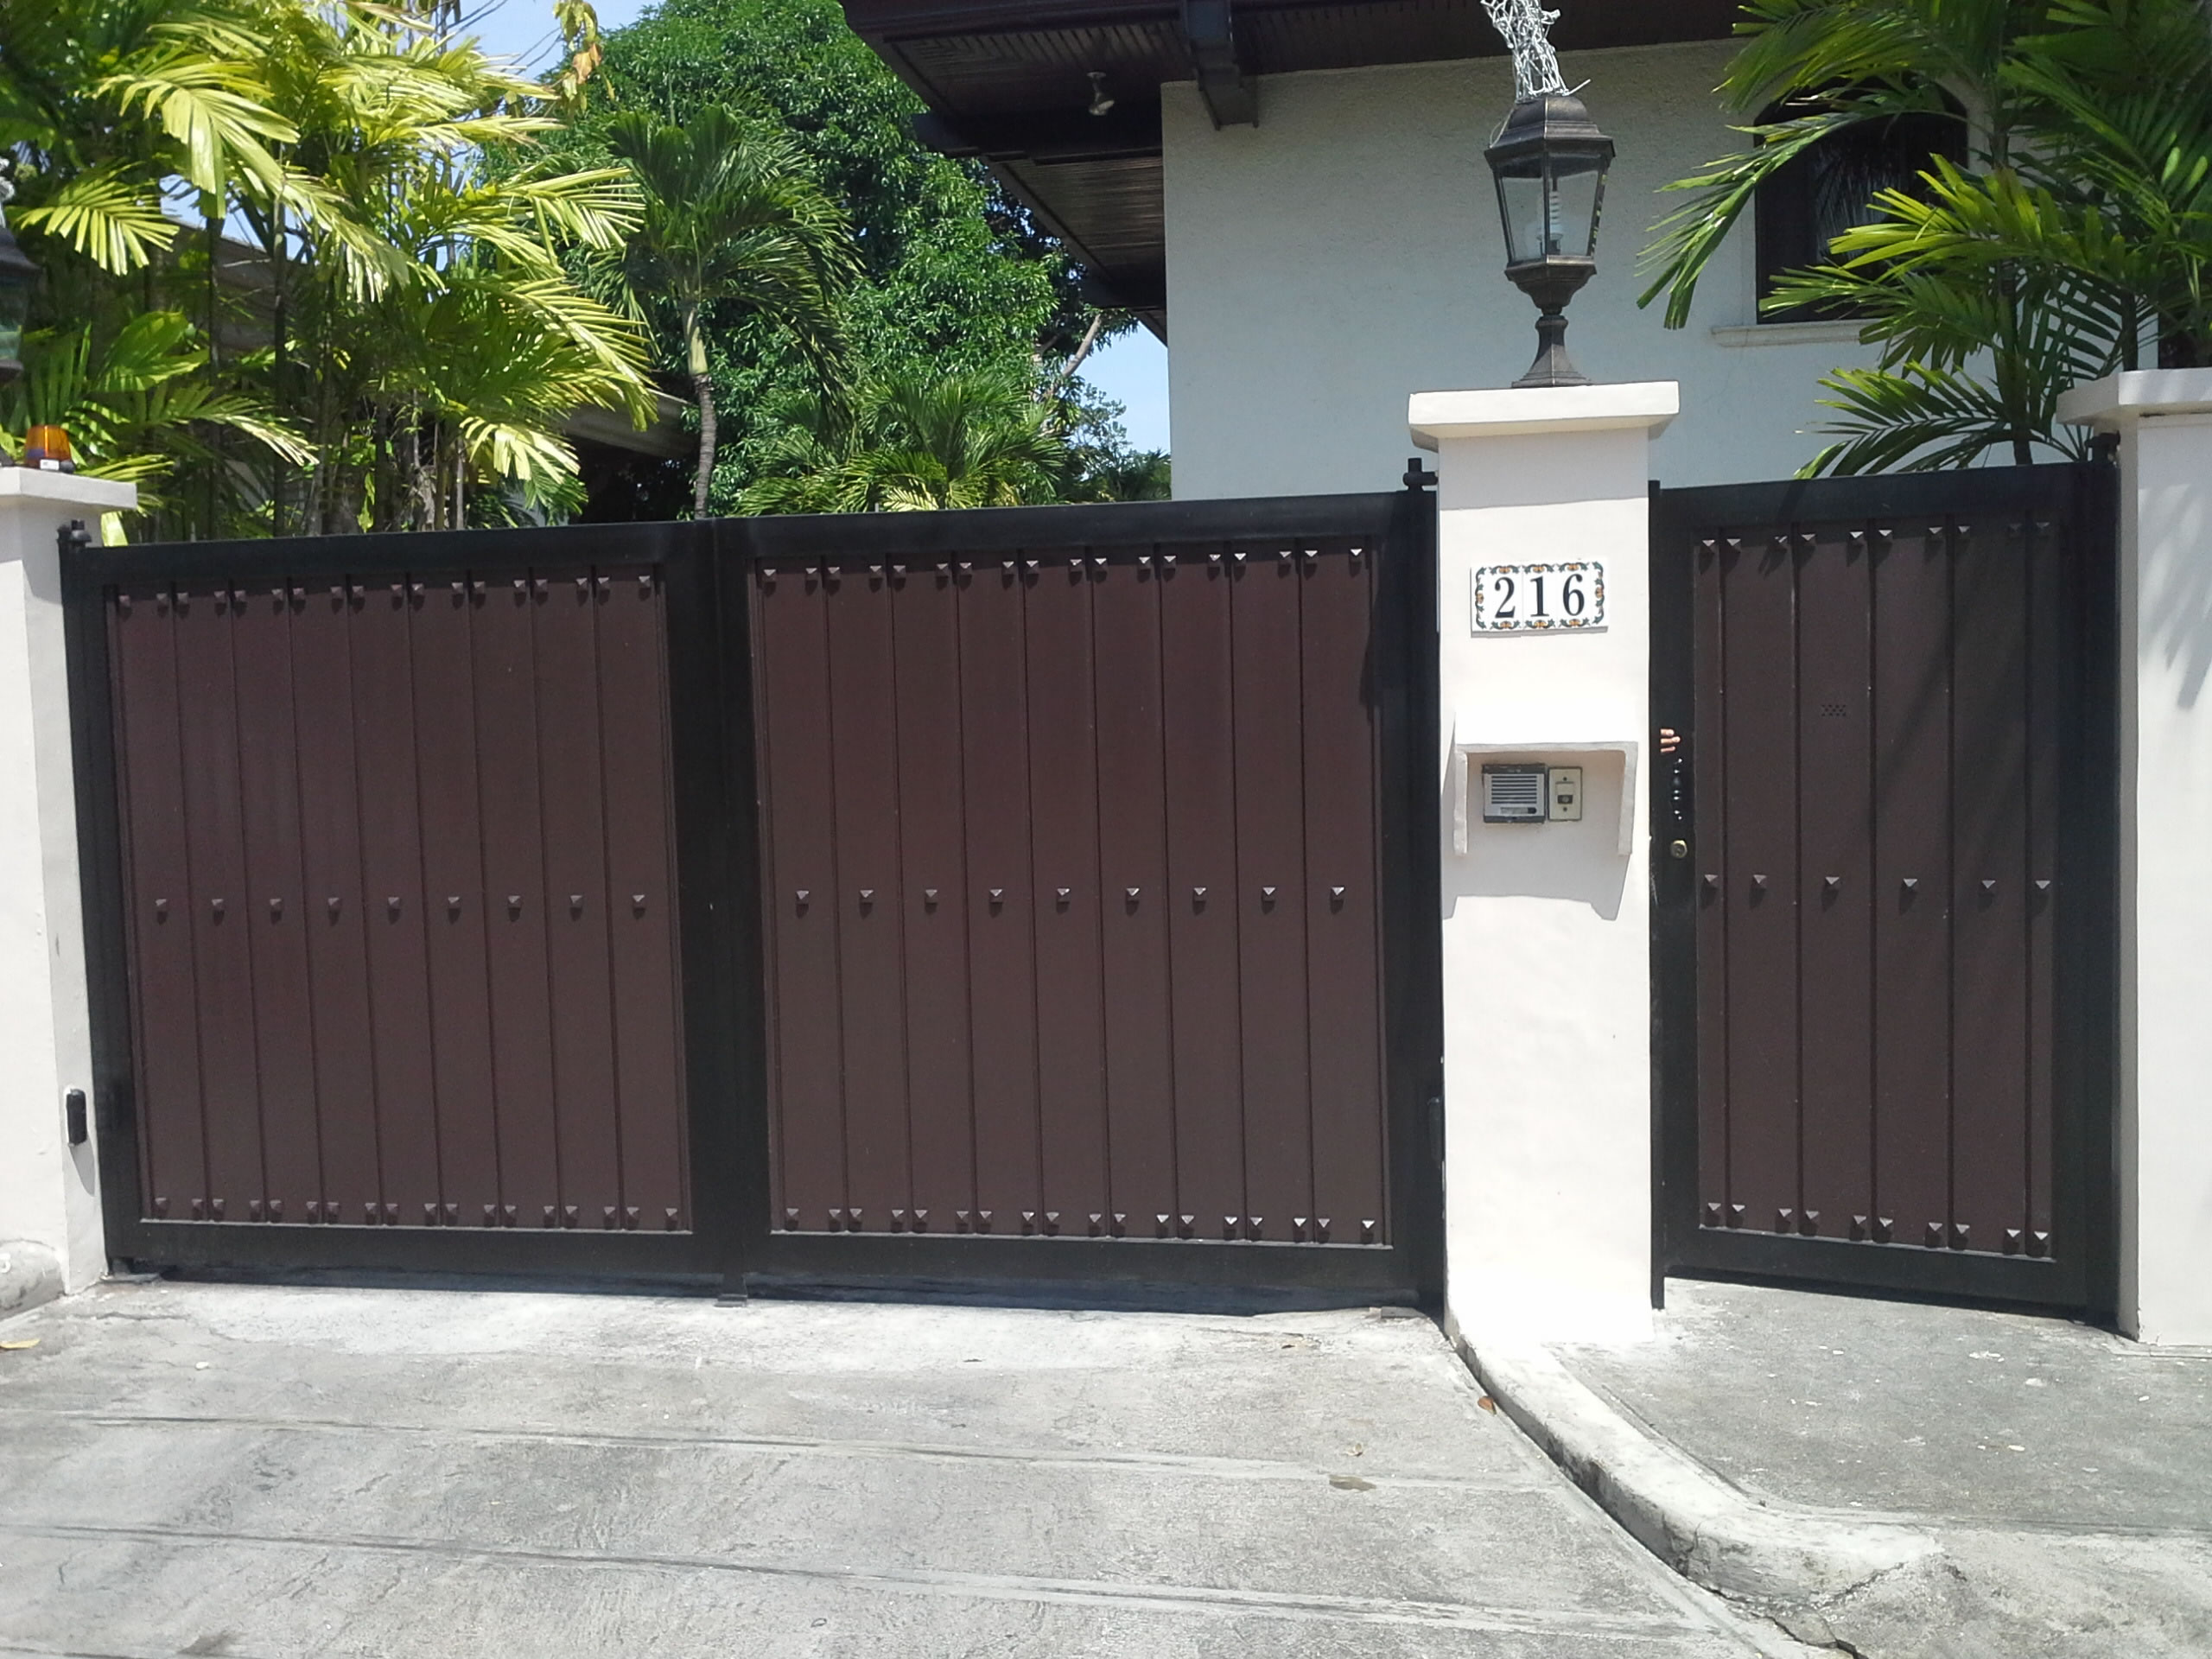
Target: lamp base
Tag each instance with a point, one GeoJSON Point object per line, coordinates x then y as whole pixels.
{"type": "Point", "coordinates": [1552, 366]}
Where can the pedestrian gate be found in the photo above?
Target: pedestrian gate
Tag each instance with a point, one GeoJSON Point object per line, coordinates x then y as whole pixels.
{"type": "Point", "coordinates": [1884, 880]}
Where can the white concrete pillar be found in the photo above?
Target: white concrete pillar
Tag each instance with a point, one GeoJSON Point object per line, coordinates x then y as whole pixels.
{"type": "Point", "coordinates": [50, 1236]}
{"type": "Point", "coordinates": [1547, 946]}
{"type": "Point", "coordinates": [2163, 419]}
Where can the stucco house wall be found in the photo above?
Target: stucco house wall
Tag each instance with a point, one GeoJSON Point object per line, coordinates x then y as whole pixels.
{"type": "Point", "coordinates": [1345, 252]}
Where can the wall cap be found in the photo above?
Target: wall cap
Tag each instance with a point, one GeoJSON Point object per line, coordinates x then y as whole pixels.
{"type": "Point", "coordinates": [2137, 394]}
{"type": "Point", "coordinates": [1515, 411]}
{"type": "Point", "coordinates": [66, 489]}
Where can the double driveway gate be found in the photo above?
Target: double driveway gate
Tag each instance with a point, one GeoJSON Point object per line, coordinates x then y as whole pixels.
{"type": "Point", "coordinates": [1031, 893]}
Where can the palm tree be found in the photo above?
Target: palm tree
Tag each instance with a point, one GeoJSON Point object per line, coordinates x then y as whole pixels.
{"type": "Point", "coordinates": [2080, 234]}
{"type": "Point", "coordinates": [731, 219]}
{"type": "Point", "coordinates": [916, 443]}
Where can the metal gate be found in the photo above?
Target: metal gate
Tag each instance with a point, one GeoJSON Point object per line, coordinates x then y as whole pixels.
{"type": "Point", "coordinates": [1087, 886]}
{"type": "Point", "coordinates": [1883, 875]}
{"type": "Point", "coordinates": [825, 898]}
{"type": "Point", "coordinates": [386, 932]}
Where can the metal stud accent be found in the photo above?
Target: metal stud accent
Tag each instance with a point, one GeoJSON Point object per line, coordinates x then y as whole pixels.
{"type": "Point", "coordinates": [921, 1220]}
{"type": "Point", "coordinates": [1298, 1229]}
{"type": "Point", "coordinates": [453, 904]}
{"type": "Point", "coordinates": [1858, 1227]}
{"type": "Point", "coordinates": [791, 1220]}
{"type": "Point", "coordinates": [275, 909]}
{"type": "Point", "coordinates": [1785, 1220]}
{"type": "Point", "coordinates": [1885, 1229]}
{"type": "Point", "coordinates": [2013, 1239]}
{"type": "Point", "coordinates": [802, 896]}
{"type": "Point", "coordinates": [1831, 882]}
{"type": "Point", "coordinates": [391, 907]}
{"type": "Point", "coordinates": [998, 897]}
{"type": "Point", "coordinates": [514, 904]}
{"type": "Point", "coordinates": [1197, 895]}
{"type": "Point", "coordinates": [1268, 897]}
{"type": "Point", "coordinates": [1368, 1231]}
{"type": "Point", "coordinates": [1337, 898]}
{"type": "Point", "coordinates": [1712, 1210]}
{"type": "Point", "coordinates": [2038, 1243]}
{"type": "Point", "coordinates": [982, 1221]}
{"type": "Point", "coordinates": [1161, 1225]}
{"type": "Point", "coordinates": [1321, 1230]}
{"type": "Point", "coordinates": [1989, 884]}
{"type": "Point", "coordinates": [960, 1221]}
{"type": "Point", "coordinates": [1961, 1235]}
{"type": "Point", "coordinates": [1912, 883]}
{"type": "Point", "coordinates": [575, 904]}
{"type": "Point", "coordinates": [1933, 1238]}
{"type": "Point", "coordinates": [332, 903]}
{"type": "Point", "coordinates": [253, 1210]}
{"type": "Point", "coordinates": [2043, 884]}
{"type": "Point", "coordinates": [161, 910]}
{"type": "Point", "coordinates": [637, 903]}
{"type": "Point", "coordinates": [1735, 1215]}
{"type": "Point", "coordinates": [929, 898]}
{"type": "Point", "coordinates": [1130, 893]}
{"type": "Point", "coordinates": [1229, 1226]}
{"type": "Point", "coordinates": [1060, 896]}
{"type": "Point", "coordinates": [1184, 1225]}
{"type": "Point", "coordinates": [1809, 1223]}
{"type": "Point", "coordinates": [1759, 883]}
{"type": "Point", "coordinates": [215, 1208]}
{"type": "Point", "coordinates": [216, 905]}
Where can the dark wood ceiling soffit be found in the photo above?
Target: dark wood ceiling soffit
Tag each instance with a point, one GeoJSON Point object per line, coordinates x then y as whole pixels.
{"type": "Point", "coordinates": [1015, 83]}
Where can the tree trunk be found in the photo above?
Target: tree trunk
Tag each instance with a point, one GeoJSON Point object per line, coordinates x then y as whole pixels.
{"type": "Point", "coordinates": [703, 385]}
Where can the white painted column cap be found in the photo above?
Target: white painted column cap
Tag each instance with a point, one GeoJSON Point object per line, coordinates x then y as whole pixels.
{"type": "Point", "coordinates": [66, 489]}
{"type": "Point", "coordinates": [2135, 394]}
{"type": "Point", "coordinates": [1512, 411]}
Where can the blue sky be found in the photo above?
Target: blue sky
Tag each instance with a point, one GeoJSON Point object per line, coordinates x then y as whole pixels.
{"type": "Point", "coordinates": [1132, 370]}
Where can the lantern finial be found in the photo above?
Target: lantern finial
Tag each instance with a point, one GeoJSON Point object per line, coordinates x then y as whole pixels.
{"type": "Point", "coordinates": [1527, 29]}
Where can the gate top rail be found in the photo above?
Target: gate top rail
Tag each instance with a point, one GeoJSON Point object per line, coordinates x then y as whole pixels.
{"type": "Point", "coordinates": [2049, 486]}
{"type": "Point", "coordinates": [1103, 525]}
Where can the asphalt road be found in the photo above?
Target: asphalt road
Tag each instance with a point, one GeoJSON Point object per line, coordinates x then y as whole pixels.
{"type": "Point", "coordinates": [274, 1473]}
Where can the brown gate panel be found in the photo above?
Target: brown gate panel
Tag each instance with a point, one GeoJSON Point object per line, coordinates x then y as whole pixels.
{"type": "Point", "coordinates": [1100, 822]}
{"type": "Point", "coordinates": [1889, 724]}
{"type": "Point", "coordinates": [373, 835]}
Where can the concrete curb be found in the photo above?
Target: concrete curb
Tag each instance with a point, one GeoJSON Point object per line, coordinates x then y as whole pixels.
{"type": "Point", "coordinates": [1710, 1532]}
{"type": "Point", "coordinates": [30, 1275]}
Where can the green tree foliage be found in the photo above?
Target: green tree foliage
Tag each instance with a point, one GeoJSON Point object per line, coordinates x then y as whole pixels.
{"type": "Point", "coordinates": [953, 280]}
{"type": "Point", "coordinates": [914, 443]}
{"type": "Point", "coordinates": [407, 332]}
{"type": "Point", "coordinates": [734, 223]}
{"type": "Point", "coordinates": [2077, 241]}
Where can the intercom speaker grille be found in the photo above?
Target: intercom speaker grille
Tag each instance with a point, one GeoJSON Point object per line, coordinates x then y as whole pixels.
{"type": "Point", "coordinates": [1513, 794]}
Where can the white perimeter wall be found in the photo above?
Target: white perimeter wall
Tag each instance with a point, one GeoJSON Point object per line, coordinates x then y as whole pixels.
{"type": "Point", "coordinates": [1345, 252]}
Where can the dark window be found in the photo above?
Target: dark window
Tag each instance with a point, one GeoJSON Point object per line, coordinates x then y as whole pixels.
{"type": "Point", "coordinates": [1828, 188]}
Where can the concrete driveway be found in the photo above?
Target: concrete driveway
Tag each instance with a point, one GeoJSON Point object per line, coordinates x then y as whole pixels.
{"type": "Point", "coordinates": [279, 1472]}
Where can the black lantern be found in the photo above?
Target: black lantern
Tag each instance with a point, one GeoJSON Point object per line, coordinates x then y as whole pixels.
{"type": "Point", "coordinates": [1549, 160]}
{"type": "Point", "coordinates": [17, 275]}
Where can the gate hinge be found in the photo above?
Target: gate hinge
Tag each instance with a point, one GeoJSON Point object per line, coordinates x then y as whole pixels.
{"type": "Point", "coordinates": [1417, 476]}
{"type": "Point", "coordinates": [74, 536]}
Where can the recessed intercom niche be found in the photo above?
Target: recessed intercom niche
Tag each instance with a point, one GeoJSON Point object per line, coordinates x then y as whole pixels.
{"type": "Point", "coordinates": [1527, 792]}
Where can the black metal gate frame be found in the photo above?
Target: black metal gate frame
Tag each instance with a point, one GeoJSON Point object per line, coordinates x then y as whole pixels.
{"type": "Point", "coordinates": [707, 567]}
{"type": "Point", "coordinates": [2082, 1278]}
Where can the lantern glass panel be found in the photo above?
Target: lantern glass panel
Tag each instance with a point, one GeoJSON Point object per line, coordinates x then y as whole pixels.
{"type": "Point", "coordinates": [1521, 205]}
{"type": "Point", "coordinates": [1578, 188]}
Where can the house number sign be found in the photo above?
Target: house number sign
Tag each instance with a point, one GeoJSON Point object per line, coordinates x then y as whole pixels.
{"type": "Point", "coordinates": [1563, 598]}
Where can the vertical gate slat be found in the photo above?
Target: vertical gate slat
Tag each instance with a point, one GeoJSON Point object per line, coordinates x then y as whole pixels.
{"type": "Point", "coordinates": [1835, 686]}
{"type": "Point", "coordinates": [864, 719]}
{"type": "Point", "coordinates": [1063, 828]}
{"type": "Point", "coordinates": [631, 644]}
{"type": "Point", "coordinates": [574, 899]}
{"type": "Point", "coordinates": [1761, 881]}
{"type": "Point", "coordinates": [1716, 880]}
{"type": "Point", "coordinates": [1271, 854]}
{"type": "Point", "coordinates": [994, 744]}
{"type": "Point", "coordinates": [161, 917]}
{"type": "Point", "coordinates": [215, 838]}
{"type": "Point", "coordinates": [418, 1057]}
{"type": "Point", "coordinates": [1343, 988]}
{"type": "Point", "coordinates": [508, 781]}
{"type": "Point", "coordinates": [274, 917]}
{"type": "Point", "coordinates": [456, 946]}
{"type": "Point", "coordinates": [934, 899]}
{"type": "Point", "coordinates": [337, 946]}
{"type": "Point", "coordinates": [1198, 707]}
{"type": "Point", "coordinates": [2053, 685]}
{"type": "Point", "coordinates": [793, 641]}
{"type": "Point", "coordinates": [1912, 967]}
{"type": "Point", "coordinates": [1133, 855]}
{"type": "Point", "coordinates": [1990, 921]}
